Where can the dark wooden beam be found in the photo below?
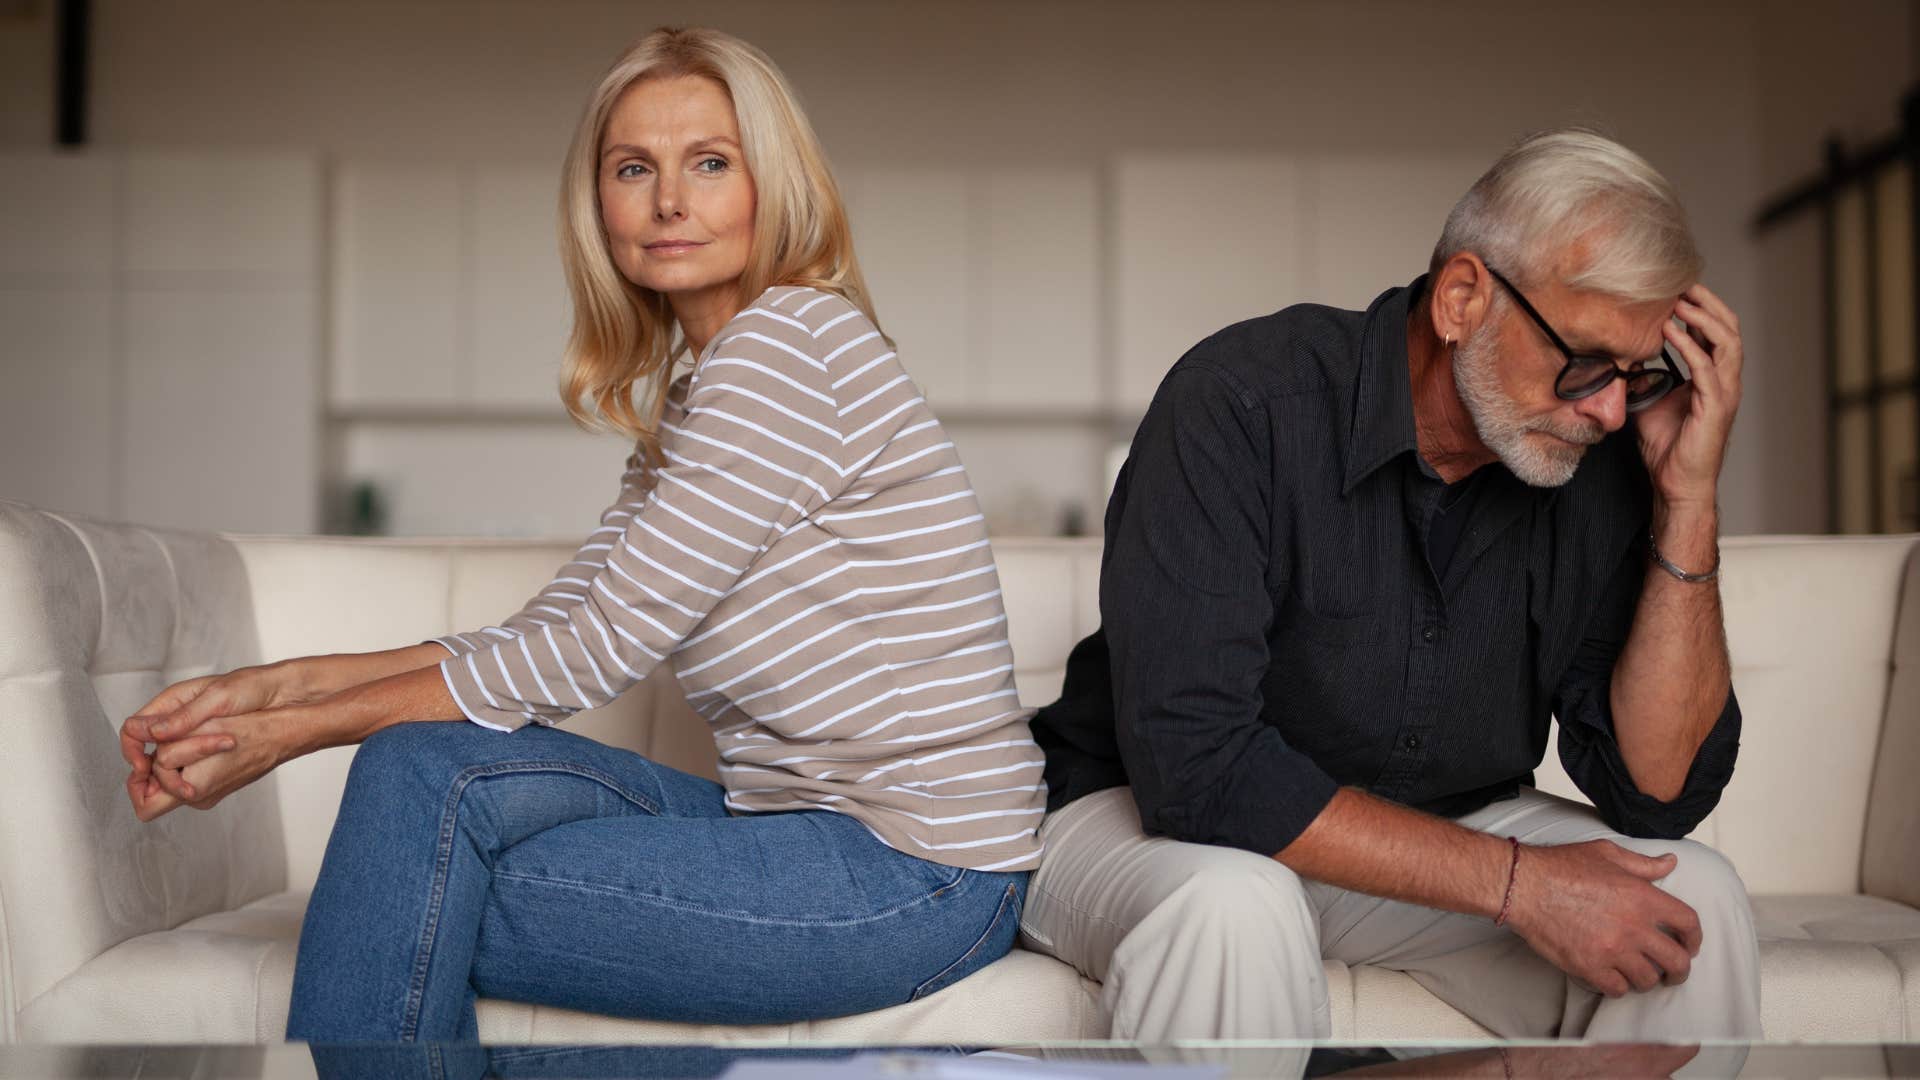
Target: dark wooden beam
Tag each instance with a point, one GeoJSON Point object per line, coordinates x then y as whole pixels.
{"type": "Point", "coordinates": [70, 92]}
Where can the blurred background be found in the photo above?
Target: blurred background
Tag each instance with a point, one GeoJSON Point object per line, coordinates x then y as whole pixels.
{"type": "Point", "coordinates": [289, 265]}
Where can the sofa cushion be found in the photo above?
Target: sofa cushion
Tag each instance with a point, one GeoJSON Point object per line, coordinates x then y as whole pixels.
{"type": "Point", "coordinates": [228, 977]}
{"type": "Point", "coordinates": [221, 978]}
{"type": "Point", "coordinates": [1838, 967]}
{"type": "Point", "coordinates": [94, 620]}
{"type": "Point", "coordinates": [1888, 865]}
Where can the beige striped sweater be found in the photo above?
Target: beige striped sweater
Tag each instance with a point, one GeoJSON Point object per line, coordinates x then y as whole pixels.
{"type": "Point", "coordinates": [811, 557]}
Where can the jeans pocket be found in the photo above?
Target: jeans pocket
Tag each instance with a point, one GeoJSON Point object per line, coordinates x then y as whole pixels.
{"type": "Point", "coordinates": [992, 943]}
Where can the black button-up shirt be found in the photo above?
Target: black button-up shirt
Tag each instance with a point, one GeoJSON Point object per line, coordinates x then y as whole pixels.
{"type": "Point", "coordinates": [1272, 626]}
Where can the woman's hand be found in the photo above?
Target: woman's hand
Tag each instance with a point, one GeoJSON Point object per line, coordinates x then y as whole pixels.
{"type": "Point", "coordinates": [221, 756]}
{"type": "Point", "coordinates": [177, 716]}
{"type": "Point", "coordinates": [201, 766]}
{"type": "Point", "coordinates": [184, 706]}
{"type": "Point", "coordinates": [258, 743]}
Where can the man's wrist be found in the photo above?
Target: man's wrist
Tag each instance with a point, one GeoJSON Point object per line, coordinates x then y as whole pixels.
{"type": "Point", "coordinates": [1687, 533]}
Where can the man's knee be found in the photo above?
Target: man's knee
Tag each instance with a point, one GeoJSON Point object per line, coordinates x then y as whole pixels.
{"type": "Point", "coordinates": [1237, 897]}
{"type": "Point", "coordinates": [1231, 951]}
{"type": "Point", "coordinates": [1702, 877]}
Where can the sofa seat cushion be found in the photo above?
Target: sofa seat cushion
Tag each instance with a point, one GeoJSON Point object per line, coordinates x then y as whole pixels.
{"type": "Point", "coordinates": [1838, 968]}
{"type": "Point", "coordinates": [220, 978]}
{"type": "Point", "coordinates": [227, 978]}
{"type": "Point", "coordinates": [1021, 998]}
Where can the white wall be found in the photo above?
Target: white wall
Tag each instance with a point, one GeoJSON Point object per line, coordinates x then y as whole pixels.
{"type": "Point", "coordinates": [161, 322]}
{"type": "Point", "coordinates": [1102, 183]}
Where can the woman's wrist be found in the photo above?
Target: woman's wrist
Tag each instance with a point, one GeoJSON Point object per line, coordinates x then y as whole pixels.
{"type": "Point", "coordinates": [310, 678]}
{"type": "Point", "coordinates": [329, 721]}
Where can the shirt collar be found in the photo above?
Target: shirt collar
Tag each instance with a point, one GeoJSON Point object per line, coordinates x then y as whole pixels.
{"type": "Point", "coordinates": [1382, 426]}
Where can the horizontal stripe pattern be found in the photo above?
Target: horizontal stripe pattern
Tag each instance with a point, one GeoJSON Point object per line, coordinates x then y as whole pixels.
{"type": "Point", "coordinates": [814, 564]}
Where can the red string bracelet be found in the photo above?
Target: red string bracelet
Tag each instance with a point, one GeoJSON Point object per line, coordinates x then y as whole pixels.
{"type": "Point", "coordinates": [1513, 874]}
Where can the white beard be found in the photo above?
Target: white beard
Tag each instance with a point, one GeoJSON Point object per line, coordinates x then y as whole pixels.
{"type": "Point", "coordinates": [1505, 428]}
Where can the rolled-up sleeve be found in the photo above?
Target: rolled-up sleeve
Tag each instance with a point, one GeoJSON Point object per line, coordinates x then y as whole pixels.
{"type": "Point", "coordinates": [1186, 607]}
{"type": "Point", "coordinates": [1589, 748]}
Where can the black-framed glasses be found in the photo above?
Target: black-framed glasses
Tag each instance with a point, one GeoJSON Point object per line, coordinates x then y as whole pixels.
{"type": "Point", "coordinates": [1586, 375]}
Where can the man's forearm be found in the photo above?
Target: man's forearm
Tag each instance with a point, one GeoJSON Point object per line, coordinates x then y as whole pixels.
{"type": "Point", "coordinates": [1370, 845]}
{"type": "Point", "coordinates": [1672, 679]}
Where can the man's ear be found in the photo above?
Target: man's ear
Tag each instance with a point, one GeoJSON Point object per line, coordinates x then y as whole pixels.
{"type": "Point", "coordinates": [1462, 292]}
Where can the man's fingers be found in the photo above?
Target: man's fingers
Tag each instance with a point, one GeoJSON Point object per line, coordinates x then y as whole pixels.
{"type": "Point", "coordinates": [183, 752]}
{"type": "Point", "coordinates": [1670, 956]}
{"type": "Point", "coordinates": [1641, 973]}
{"type": "Point", "coordinates": [1710, 300]}
{"type": "Point", "coordinates": [1720, 328]}
{"type": "Point", "coordinates": [1611, 983]}
{"type": "Point", "coordinates": [1649, 867]}
{"type": "Point", "coordinates": [1682, 923]}
{"type": "Point", "coordinates": [1710, 325]}
{"type": "Point", "coordinates": [1705, 377]}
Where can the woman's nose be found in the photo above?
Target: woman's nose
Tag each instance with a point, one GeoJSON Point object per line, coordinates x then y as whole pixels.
{"type": "Point", "coordinates": [666, 200]}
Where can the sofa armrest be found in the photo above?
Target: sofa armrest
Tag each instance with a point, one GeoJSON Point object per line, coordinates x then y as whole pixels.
{"type": "Point", "coordinates": [1889, 866]}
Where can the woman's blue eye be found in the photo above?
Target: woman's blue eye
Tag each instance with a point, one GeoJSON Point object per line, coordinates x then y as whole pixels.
{"type": "Point", "coordinates": [624, 173]}
{"type": "Point", "coordinates": [713, 161]}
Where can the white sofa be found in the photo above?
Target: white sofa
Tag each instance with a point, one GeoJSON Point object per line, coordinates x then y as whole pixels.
{"type": "Point", "coordinates": [183, 930]}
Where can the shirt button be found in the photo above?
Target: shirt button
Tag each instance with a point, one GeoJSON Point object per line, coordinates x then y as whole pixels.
{"type": "Point", "coordinates": [1430, 634]}
{"type": "Point", "coordinates": [1412, 742]}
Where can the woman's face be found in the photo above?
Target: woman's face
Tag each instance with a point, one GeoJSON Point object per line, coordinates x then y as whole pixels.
{"type": "Point", "coordinates": [675, 195]}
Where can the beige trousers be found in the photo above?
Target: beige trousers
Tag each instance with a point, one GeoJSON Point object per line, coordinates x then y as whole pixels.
{"type": "Point", "coordinates": [1196, 941]}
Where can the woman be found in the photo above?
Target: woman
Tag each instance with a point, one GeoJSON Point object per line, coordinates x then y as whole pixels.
{"type": "Point", "coordinates": [793, 528]}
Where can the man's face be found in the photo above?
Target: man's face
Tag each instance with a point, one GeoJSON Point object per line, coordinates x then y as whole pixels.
{"type": "Point", "coordinates": [1505, 370]}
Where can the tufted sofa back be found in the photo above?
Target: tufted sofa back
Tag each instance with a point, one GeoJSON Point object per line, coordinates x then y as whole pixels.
{"type": "Point", "coordinates": [94, 620]}
{"type": "Point", "coordinates": [318, 594]}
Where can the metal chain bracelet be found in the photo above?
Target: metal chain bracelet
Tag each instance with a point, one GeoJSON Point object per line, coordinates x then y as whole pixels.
{"type": "Point", "coordinates": [1653, 549]}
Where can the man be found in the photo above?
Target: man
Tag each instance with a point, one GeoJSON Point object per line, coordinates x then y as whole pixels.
{"type": "Point", "coordinates": [1354, 562]}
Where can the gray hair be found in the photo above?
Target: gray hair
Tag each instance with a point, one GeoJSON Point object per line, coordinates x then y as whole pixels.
{"type": "Point", "coordinates": [1559, 187]}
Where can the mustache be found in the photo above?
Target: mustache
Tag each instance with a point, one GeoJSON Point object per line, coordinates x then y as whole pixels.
{"type": "Point", "coordinates": [1588, 434]}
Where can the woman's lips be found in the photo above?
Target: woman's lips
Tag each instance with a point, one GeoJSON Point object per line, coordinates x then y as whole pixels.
{"type": "Point", "coordinates": [673, 247]}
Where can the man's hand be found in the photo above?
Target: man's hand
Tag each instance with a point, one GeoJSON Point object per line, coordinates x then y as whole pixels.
{"type": "Point", "coordinates": [1593, 911]}
{"type": "Point", "coordinates": [1684, 437]}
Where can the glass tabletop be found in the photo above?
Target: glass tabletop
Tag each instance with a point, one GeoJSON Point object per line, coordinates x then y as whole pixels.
{"type": "Point", "coordinates": [1054, 1061]}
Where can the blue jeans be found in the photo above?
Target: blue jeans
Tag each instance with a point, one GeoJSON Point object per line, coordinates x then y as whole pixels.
{"type": "Point", "coordinates": [545, 867]}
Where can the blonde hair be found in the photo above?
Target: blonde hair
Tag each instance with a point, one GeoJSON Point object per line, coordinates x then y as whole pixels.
{"type": "Point", "coordinates": [623, 335]}
{"type": "Point", "coordinates": [1555, 188]}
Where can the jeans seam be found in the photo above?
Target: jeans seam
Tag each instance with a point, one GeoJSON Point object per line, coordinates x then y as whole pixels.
{"type": "Point", "coordinates": [443, 856]}
{"type": "Point", "coordinates": [999, 916]}
{"type": "Point", "coordinates": [742, 917]}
